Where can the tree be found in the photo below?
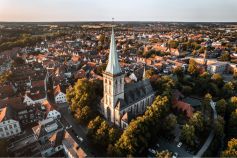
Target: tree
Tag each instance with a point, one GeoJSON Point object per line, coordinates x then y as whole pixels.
{"type": "Point", "coordinates": [206, 103]}
{"type": "Point", "coordinates": [188, 134]}
{"type": "Point", "coordinates": [5, 76]}
{"type": "Point", "coordinates": [84, 93]}
{"type": "Point", "coordinates": [143, 130]}
{"type": "Point", "coordinates": [169, 123]}
{"type": "Point", "coordinates": [231, 150]}
{"type": "Point", "coordinates": [83, 115]}
{"type": "Point", "coordinates": [164, 85]}
{"type": "Point", "coordinates": [164, 154]}
{"type": "Point", "coordinates": [217, 78]}
{"type": "Point", "coordinates": [192, 67]}
{"type": "Point", "coordinates": [179, 72]}
{"type": "Point", "coordinates": [93, 125]}
{"type": "Point", "coordinates": [101, 136]}
{"type": "Point", "coordinates": [232, 105]}
{"type": "Point", "coordinates": [232, 128]}
{"type": "Point", "coordinates": [225, 57]}
{"type": "Point", "coordinates": [228, 89]}
{"type": "Point", "coordinates": [219, 126]}
{"type": "Point", "coordinates": [221, 107]}
{"type": "Point", "coordinates": [187, 90]}
{"type": "Point", "coordinates": [197, 121]}
{"type": "Point", "coordinates": [149, 73]}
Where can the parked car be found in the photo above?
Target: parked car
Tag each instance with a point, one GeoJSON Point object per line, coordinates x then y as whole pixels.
{"type": "Point", "coordinates": [175, 155]}
{"type": "Point", "coordinates": [179, 144]}
{"type": "Point", "coordinates": [80, 138]}
{"type": "Point", "coordinates": [152, 151]}
{"type": "Point", "coordinates": [70, 126]}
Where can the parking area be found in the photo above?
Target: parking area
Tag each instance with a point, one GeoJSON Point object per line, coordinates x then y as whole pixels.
{"type": "Point", "coordinates": [173, 147]}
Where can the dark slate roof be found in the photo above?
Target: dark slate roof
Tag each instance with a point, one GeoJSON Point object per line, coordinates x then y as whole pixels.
{"type": "Point", "coordinates": [43, 128]}
{"type": "Point", "coordinates": [134, 92]}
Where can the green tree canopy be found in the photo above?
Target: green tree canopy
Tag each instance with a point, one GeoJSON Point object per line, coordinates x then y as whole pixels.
{"type": "Point", "coordinates": [192, 67]}
{"type": "Point", "coordinates": [221, 107]}
{"type": "Point", "coordinates": [188, 134]}
{"type": "Point", "coordinates": [142, 130]}
{"type": "Point", "coordinates": [197, 121]}
{"type": "Point", "coordinates": [219, 126]}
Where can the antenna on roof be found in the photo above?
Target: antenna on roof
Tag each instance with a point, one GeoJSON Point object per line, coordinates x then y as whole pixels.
{"type": "Point", "coordinates": [112, 22]}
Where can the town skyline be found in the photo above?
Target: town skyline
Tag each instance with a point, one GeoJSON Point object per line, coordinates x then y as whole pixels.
{"type": "Point", "coordinates": [104, 10]}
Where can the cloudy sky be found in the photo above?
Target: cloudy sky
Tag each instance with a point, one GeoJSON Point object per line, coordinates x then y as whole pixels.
{"type": "Point", "coordinates": [121, 10]}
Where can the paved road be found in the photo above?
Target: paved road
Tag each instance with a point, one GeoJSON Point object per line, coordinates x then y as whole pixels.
{"type": "Point", "coordinates": [211, 135]}
{"type": "Point", "coordinates": [164, 145]}
{"type": "Point", "coordinates": [78, 130]}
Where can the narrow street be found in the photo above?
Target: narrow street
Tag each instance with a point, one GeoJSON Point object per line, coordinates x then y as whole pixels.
{"type": "Point", "coordinates": [76, 130]}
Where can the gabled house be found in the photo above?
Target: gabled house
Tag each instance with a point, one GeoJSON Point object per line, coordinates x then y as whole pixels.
{"type": "Point", "coordinates": [60, 94]}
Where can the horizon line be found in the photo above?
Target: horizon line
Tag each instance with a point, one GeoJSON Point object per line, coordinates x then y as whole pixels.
{"type": "Point", "coordinates": [108, 21]}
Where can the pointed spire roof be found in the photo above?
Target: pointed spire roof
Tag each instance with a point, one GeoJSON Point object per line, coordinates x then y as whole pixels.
{"type": "Point", "coordinates": [113, 66]}
{"type": "Point", "coordinates": [144, 73]}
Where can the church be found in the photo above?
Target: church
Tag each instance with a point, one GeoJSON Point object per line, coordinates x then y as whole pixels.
{"type": "Point", "coordinates": [122, 102]}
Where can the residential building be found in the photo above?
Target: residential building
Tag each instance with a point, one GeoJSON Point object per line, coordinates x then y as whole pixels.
{"type": "Point", "coordinates": [9, 125]}
{"type": "Point", "coordinates": [60, 94]}
{"type": "Point", "coordinates": [53, 114]}
{"type": "Point", "coordinates": [219, 67]}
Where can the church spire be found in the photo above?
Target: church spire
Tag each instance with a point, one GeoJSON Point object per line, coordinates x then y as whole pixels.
{"type": "Point", "coordinates": [113, 66]}
{"type": "Point", "coordinates": [144, 73]}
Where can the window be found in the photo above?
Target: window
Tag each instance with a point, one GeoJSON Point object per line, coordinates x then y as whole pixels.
{"type": "Point", "coordinates": [10, 126]}
{"type": "Point", "coordinates": [14, 125]}
{"type": "Point", "coordinates": [6, 128]}
{"type": "Point", "coordinates": [1, 129]}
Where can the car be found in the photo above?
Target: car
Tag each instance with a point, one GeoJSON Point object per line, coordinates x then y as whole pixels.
{"type": "Point", "coordinates": [80, 138]}
{"type": "Point", "coordinates": [179, 144]}
{"type": "Point", "coordinates": [152, 151]}
{"type": "Point", "coordinates": [70, 126]}
{"type": "Point", "coordinates": [175, 155]}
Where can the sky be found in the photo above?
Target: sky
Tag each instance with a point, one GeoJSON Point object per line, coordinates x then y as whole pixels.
{"type": "Point", "coordinates": [120, 10]}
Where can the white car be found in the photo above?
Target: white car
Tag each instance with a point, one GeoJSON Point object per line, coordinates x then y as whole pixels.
{"type": "Point", "coordinates": [175, 155]}
{"type": "Point", "coordinates": [179, 144]}
{"type": "Point", "coordinates": [70, 126]}
{"type": "Point", "coordinates": [80, 138]}
{"type": "Point", "coordinates": [152, 151]}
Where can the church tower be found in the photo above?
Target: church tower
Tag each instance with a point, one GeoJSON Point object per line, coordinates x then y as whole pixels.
{"type": "Point", "coordinates": [113, 82]}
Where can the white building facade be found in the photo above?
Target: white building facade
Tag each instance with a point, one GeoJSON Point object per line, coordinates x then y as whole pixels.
{"type": "Point", "coordinates": [60, 98]}
{"type": "Point", "coordinates": [9, 128]}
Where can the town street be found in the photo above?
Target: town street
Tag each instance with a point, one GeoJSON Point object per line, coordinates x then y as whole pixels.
{"type": "Point", "coordinates": [67, 119]}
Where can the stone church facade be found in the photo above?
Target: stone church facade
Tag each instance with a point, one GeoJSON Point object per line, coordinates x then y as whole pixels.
{"type": "Point", "coordinates": [123, 102]}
